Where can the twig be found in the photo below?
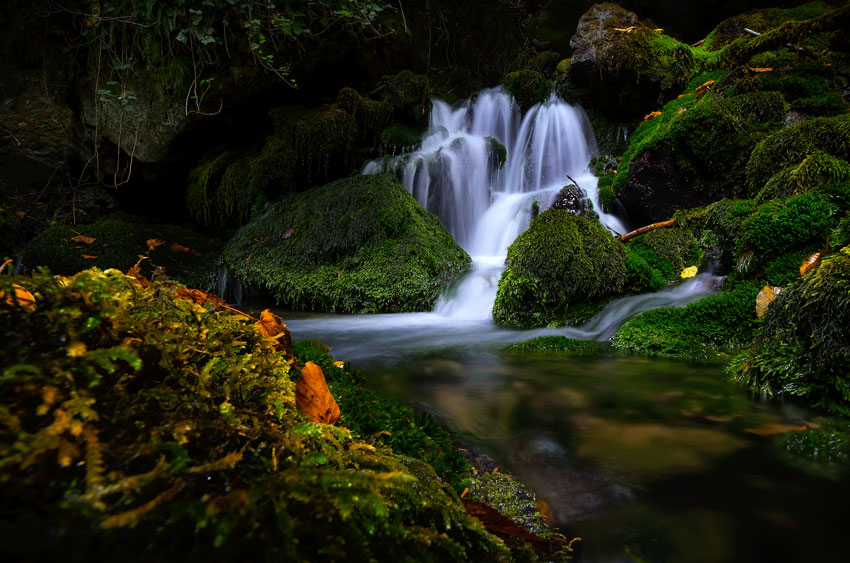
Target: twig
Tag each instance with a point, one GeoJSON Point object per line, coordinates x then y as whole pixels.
{"type": "Point", "coordinates": [646, 229]}
{"type": "Point", "coordinates": [403, 19]}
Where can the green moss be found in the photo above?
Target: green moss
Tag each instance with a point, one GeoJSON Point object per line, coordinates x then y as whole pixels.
{"type": "Point", "coordinates": [818, 172]}
{"type": "Point", "coordinates": [398, 138]}
{"type": "Point", "coordinates": [510, 497]}
{"type": "Point", "coordinates": [802, 350]}
{"type": "Point", "coordinates": [778, 226]}
{"type": "Point", "coordinates": [497, 152]}
{"type": "Point", "coordinates": [361, 244]}
{"type": "Point", "coordinates": [118, 244]}
{"type": "Point", "coordinates": [560, 345]}
{"type": "Point", "coordinates": [702, 331]}
{"type": "Point", "coordinates": [789, 147]}
{"type": "Point", "coordinates": [760, 21]}
{"type": "Point", "coordinates": [131, 418]}
{"type": "Point", "coordinates": [606, 196]}
{"type": "Point", "coordinates": [545, 63]}
{"type": "Point", "coordinates": [657, 257]}
{"type": "Point", "coordinates": [409, 95]}
{"type": "Point", "coordinates": [528, 87]}
{"type": "Point", "coordinates": [560, 261]}
{"type": "Point", "coordinates": [371, 116]}
{"type": "Point", "coordinates": [219, 192]}
{"type": "Point", "coordinates": [719, 226]}
{"type": "Point", "coordinates": [827, 445]}
{"type": "Point", "coordinates": [786, 267]}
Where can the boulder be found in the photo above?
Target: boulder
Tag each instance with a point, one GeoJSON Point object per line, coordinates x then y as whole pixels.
{"type": "Point", "coordinates": [572, 200]}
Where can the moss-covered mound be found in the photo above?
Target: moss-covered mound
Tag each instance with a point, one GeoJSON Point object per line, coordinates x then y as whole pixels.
{"type": "Point", "coordinates": [560, 345]}
{"type": "Point", "coordinates": [561, 263]}
{"type": "Point", "coordinates": [361, 244]}
{"type": "Point", "coordinates": [706, 330]}
{"type": "Point", "coordinates": [760, 21]}
{"type": "Point", "coordinates": [658, 257]}
{"type": "Point", "coordinates": [528, 87]}
{"type": "Point", "coordinates": [119, 241]}
{"type": "Point", "coordinates": [144, 426]}
{"type": "Point", "coordinates": [803, 350]}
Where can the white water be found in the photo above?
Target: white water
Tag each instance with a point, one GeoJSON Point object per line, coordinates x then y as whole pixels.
{"type": "Point", "coordinates": [454, 176]}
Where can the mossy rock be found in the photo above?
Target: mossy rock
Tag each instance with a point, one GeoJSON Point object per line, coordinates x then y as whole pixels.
{"type": "Point", "coordinates": [802, 350]}
{"type": "Point", "coordinates": [398, 138]}
{"type": "Point", "coordinates": [409, 95]}
{"type": "Point", "coordinates": [220, 192]}
{"type": "Point", "coordinates": [556, 345]}
{"type": "Point", "coordinates": [707, 330]}
{"type": "Point", "coordinates": [497, 152]}
{"type": "Point", "coordinates": [658, 257]}
{"type": "Point", "coordinates": [528, 87]}
{"type": "Point", "coordinates": [361, 244]}
{"type": "Point", "coordinates": [781, 225]}
{"type": "Point", "coordinates": [133, 418]}
{"type": "Point", "coordinates": [119, 242]}
{"type": "Point", "coordinates": [560, 262]}
{"type": "Point", "coordinates": [760, 21]}
{"type": "Point", "coordinates": [719, 227]}
{"type": "Point", "coordinates": [817, 173]}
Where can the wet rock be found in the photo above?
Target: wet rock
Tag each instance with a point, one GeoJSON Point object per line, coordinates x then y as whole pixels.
{"type": "Point", "coordinates": [571, 199]}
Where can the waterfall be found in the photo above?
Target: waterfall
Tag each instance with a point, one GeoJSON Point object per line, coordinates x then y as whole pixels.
{"type": "Point", "coordinates": [455, 174]}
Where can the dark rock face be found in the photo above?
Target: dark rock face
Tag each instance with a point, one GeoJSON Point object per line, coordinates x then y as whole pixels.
{"type": "Point", "coordinates": [656, 188]}
{"type": "Point", "coordinates": [571, 199]}
{"type": "Point", "coordinates": [620, 72]}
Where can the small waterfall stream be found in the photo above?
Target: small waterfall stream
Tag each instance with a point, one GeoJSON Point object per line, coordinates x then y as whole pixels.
{"type": "Point", "coordinates": [456, 175]}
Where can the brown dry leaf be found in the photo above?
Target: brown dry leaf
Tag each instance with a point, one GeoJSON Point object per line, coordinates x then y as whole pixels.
{"type": "Point", "coordinates": [705, 85]}
{"type": "Point", "coordinates": [88, 256]}
{"type": "Point", "coordinates": [199, 297]}
{"type": "Point", "coordinates": [765, 297]}
{"type": "Point", "coordinates": [500, 525]}
{"type": "Point", "coordinates": [82, 239]}
{"type": "Point", "coordinates": [313, 396]}
{"type": "Point", "coordinates": [174, 247]}
{"type": "Point", "coordinates": [272, 326]}
{"type": "Point", "coordinates": [153, 243]}
{"type": "Point", "coordinates": [684, 95]}
{"type": "Point", "coordinates": [761, 69]}
{"type": "Point", "coordinates": [771, 429]}
{"type": "Point", "coordinates": [629, 29]}
{"type": "Point", "coordinates": [21, 297]}
{"type": "Point", "coordinates": [810, 263]}
{"type": "Point", "coordinates": [20, 214]}
{"type": "Point", "coordinates": [651, 115]}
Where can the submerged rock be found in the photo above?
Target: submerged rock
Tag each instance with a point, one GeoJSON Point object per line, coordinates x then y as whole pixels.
{"type": "Point", "coordinates": [361, 244]}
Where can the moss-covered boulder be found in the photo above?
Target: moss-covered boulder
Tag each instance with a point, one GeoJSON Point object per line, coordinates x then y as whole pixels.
{"type": "Point", "coordinates": [760, 21]}
{"type": "Point", "coordinates": [361, 244]}
{"type": "Point", "coordinates": [658, 257]}
{"type": "Point", "coordinates": [409, 95]}
{"type": "Point", "coordinates": [528, 87]}
{"type": "Point", "coordinates": [146, 426]}
{"type": "Point", "coordinates": [622, 67]}
{"type": "Point", "coordinates": [555, 268]}
{"type": "Point", "coordinates": [707, 330]}
{"type": "Point", "coordinates": [803, 350]}
{"type": "Point", "coordinates": [119, 241]}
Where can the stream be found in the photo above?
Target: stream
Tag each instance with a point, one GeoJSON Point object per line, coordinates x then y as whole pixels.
{"type": "Point", "coordinates": [646, 460]}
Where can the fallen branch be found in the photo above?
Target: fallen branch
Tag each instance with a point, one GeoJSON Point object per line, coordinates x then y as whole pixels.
{"type": "Point", "coordinates": [646, 229]}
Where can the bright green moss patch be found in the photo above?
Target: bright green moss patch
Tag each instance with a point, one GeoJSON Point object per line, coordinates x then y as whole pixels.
{"type": "Point", "coordinates": [528, 87]}
{"type": "Point", "coordinates": [118, 244]}
{"type": "Point", "coordinates": [361, 244]}
{"type": "Point", "coordinates": [802, 350]}
{"type": "Point", "coordinates": [818, 172]}
{"type": "Point", "coordinates": [560, 345]}
{"type": "Point", "coordinates": [398, 138]}
{"type": "Point", "coordinates": [510, 497]}
{"type": "Point", "coordinates": [760, 21]}
{"type": "Point", "coordinates": [131, 419]}
{"type": "Point", "coordinates": [702, 331]}
{"type": "Point", "coordinates": [560, 261]}
{"type": "Point", "coordinates": [778, 226]}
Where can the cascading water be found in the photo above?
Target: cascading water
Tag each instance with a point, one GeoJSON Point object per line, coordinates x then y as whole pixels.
{"type": "Point", "coordinates": [456, 175]}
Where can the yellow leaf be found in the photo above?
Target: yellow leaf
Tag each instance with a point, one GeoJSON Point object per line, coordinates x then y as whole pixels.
{"type": "Point", "coordinates": [339, 364]}
{"type": "Point", "coordinates": [651, 115]}
{"type": "Point", "coordinates": [689, 272]}
{"type": "Point", "coordinates": [88, 256]}
{"type": "Point", "coordinates": [810, 263]}
{"type": "Point", "coordinates": [765, 298]}
{"type": "Point", "coordinates": [83, 239]}
{"type": "Point", "coordinates": [76, 349]}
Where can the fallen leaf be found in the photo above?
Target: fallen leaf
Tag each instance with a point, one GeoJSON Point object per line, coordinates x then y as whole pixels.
{"type": "Point", "coordinates": [658, 30]}
{"type": "Point", "coordinates": [684, 95]}
{"type": "Point", "coordinates": [339, 364]}
{"type": "Point", "coordinates": [680, 111]}
{"type": "Point", "coordinates": [705, 85]}
{"type": "Point", "coordinates": [153, 243]}
{"type": "Point", "coordinates": [651, 115]}
{"type": "Point", "coordinates": [288, 233]}
{"type": "Point", "coordinates": [199, 297]}
{"type": "Point", "coordinates": [810, 263]}
{"type": "Point", "coordinates": [765, 297]}
{"type": "Point", "coordinates": [272, 326]}
{"type": "Point", "coordinates": [21, 297]}
{"type": "Point", "coordinates": [761, 69]}
{"type": "Point", "coordinates": [771, 429]}
{"type": "Point", "coordinates": [88, 256]}
{"type": "Point", "coordinates": [82, 239]}
{"type": "Point", "coordinates": [20, 214]}
{"type": "Point", "coordinates": [76, 349]}
{"type": "Point", "coordinates": [313, 396]}
{"type": "Point", "coordinates": [174, 247]}
{"type": "Point", "coordinates": [689, 272]}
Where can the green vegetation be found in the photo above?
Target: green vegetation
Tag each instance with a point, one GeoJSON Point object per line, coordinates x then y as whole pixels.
{"type": "Point", "coordinates": [150, 424]}
{"type": "Point", "coordinates": [802, 350]}
{"type": "Point", "coordinates": [818, 172]}
{"type": "Point", "coordinates": [658, 257]}
{"type": "Point", "coordinates": [497, 152]}
{"type": "Point", "coordinates": [398, 138]}
{"type": "Point", "coordinates": [118, 243]}
{"type": "Point", "coordinates": [703, 331]}
{"type": "Point", "coordinates": [561, 261]}
{"type": "Point", "coordinates": [409, 95]}
{"type": "Point", "coordinates": [528, 87]}
{"type": "Point", "coordinates": [361, 244]}
{"type": "Point", "coordinates": [760, 21]}
{"type": "Point", "coordinates": [560, 345]}
{"type": "Point", "coordinates": [513, 499]}
{"type": "Point", "coordinates": [782, 225]}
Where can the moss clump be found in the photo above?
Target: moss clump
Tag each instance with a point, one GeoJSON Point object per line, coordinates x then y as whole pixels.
{"type": "Point", "coordinates": [528, 87]}
{"type": "Point", "coordinates": [118, 244]}
{"type": "Point", "coordinates": [719, 226]}
{"type": "Point", "coordinates": [560, 345]}
{"type": "Point", "coordinates": [778, 226]}
{"type": "Point", "coordinates": [510, 497]}
{"type": "Point", "coordinates": [398, 138]}
{"type": "Point", "coordinates": [789, 147]}
{"type": "Point", "coordinates": [761, 21]}
{"type": "Point", "coordinates": [371, 116]}
{"type": "Point", "coordinates": [802, 351]}
{"type": "Point", "coordinates": [141, 423]}
{"type": "Point", "coordinates": [818, 172]}
{"type": "Point", "coordinates": [702, 331]}
{"type": "Point", "coordinates": [409, 95]}
{"type": "Point", "coordinates": [658, 257]}
{"type": "Point", "coordinates": [560, 261]}
{"type": "Point", "coordinates": [220, 192]}
{"type": "Point", "coordinates": [497, 152]}
{"type": "Point", "coordinates": [387, 421]}
{"type": "Point", "coordinates": [361, 244]}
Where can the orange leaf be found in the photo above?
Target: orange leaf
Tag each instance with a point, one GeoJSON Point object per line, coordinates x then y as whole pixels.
{"type": "Point", "coordinates": [705, 85]}
{"type": "Point", "coordinates": [684, 95]}
{"type": "Point", "coordinates": [88, 256]}
{"type": "Point", "coordinates": [199, 297]}
{"type": "Point", "coordinates": [174, 247]}
{"type": "Point", "coordinates": [651, 115]}
{"type": "Point", "coordinates": [153, 243]}
{"type": "Point", "coordinates": [810, 263]}
{"type": "Point", "coordinates": [760, 69]}
{"type": "Point", "coordinates": [313, 396]}
{"type": "Point", "coordinates": [272, 326]}
{"type": "Point", "coordinates": [21, 297]}
{"type": "Point", "coordinates": [83, 239]}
